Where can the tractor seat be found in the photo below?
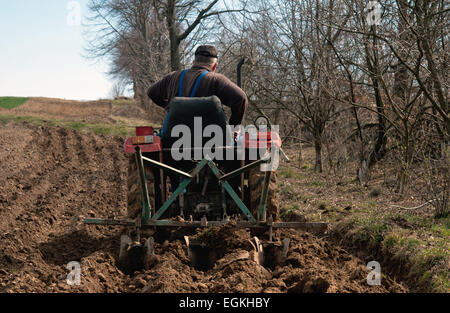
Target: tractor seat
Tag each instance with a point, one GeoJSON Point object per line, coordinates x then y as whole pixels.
{"type": "Point", "coordinates": [183, 111]}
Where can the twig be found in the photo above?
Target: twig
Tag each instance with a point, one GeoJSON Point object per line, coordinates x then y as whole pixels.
{"type": "Point", "coordinates": [414, 208]}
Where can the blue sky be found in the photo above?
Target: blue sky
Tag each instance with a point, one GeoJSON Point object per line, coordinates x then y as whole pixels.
{"type": "Point", "coordinates": [41, 52]}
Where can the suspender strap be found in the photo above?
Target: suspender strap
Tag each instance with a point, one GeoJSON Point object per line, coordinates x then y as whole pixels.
{"type": "Point", "coordinates": [164, 125]}
{"type": "Point", "coordinates": [180, 91]}
{"type": "Point", "coordinates": [197, 83]}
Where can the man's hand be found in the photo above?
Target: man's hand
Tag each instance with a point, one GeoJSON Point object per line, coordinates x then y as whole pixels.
{"type": "Point", "coordinates": [236, 135]}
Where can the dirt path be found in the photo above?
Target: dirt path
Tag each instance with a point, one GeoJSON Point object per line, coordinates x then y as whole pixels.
{"type": "Point", "coordinates": [51, 177]}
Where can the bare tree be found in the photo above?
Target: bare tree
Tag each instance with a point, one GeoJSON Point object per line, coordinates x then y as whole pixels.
{"type": "Point", "coordinates": [130, 34]}
{"type": "Point", "coordinates": [144, 39]}
{"type": "Point", "coordinates": [118, 89]}
{"type": "Point", "coordinates": [292, 66]}
{"type": "Point", "coordinates": [185, 18]}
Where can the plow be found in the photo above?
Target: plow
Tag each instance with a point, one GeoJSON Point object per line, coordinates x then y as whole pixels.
{"type": "Point", "coordinates": [166, 193]}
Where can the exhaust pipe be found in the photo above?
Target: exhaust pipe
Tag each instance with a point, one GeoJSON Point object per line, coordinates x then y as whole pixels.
{"type": "Point", "coordinates": [239, 72]}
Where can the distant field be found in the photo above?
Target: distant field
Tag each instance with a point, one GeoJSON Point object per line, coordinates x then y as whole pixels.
{"type": "Point", "coordinates": [119, 128]}
{"type": "Point", "coordinates": [11, 102]}
{"type": "Point", "coordinates": [115, 117]}
{"type": "Point", "coordinates": [104, 111]}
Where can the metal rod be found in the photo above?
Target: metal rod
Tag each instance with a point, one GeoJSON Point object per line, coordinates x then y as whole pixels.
{"type": "Point", "coordinates": [180, 189]}
{"type": "Point", "coordinates": [245, 168]}
{"type": "Point", "coordinates": [224, 201]}
{"type": "Point", "coordinates": [205, 185]}
{"type": "Point", "coordinates": [308, 226]}
{"type": "Point", "coordinates": [172, 198]}
{"type": "Point", "coordinates": [239, 72]}
{"type": "Point", "coordinates": [201, 148]}
{"type": "Point", "coordinates": [162, 180]}
{"type": "Point", "coordinates": [262, 208]}
{"type": "Point", "coordinates": [242, 181]}
{"type": "Point", "coordinates": [166, 167]}
{"type": "Point", "coordinates": [181, 203]}
{"type": "Point", "coordinates": [232, 193]}
{"type": "Point", "coordinates": [146, 209]}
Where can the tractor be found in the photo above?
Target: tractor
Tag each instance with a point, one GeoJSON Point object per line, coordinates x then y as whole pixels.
{"type": "Point", "coordinates": [235, 182]}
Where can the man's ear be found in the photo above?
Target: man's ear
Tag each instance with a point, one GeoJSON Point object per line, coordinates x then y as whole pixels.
{"type": "Point", "coordinates": [214, 67]}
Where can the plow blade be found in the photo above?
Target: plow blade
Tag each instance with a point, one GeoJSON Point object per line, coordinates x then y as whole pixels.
{"type": "Point", "coordinates": [135, 256]}
{"type": "Point", "coordinates": [268, 254]}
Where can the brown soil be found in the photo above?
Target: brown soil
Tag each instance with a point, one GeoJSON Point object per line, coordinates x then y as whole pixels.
{"type": "Point", "coordinates": [51, 177]}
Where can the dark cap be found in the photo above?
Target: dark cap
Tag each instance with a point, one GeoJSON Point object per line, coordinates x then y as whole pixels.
{"type": "Point", "coordinates": [207, 51]}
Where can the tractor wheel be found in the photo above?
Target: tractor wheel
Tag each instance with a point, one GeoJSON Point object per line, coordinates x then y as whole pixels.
{"type": "Point", "coordinates": [134, 195]}
{"type": "Point", "coordinates": [256, 181]}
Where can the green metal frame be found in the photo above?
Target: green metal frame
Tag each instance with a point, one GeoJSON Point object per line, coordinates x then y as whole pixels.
{"type": "Point", "coordinates": [187, 181]}
{"type": "Point", "coordinates": [308, 226]}
{"type": "Point", "coordinates": [179, 190]}
{"type": "Point", "coordinates": [147, 220]}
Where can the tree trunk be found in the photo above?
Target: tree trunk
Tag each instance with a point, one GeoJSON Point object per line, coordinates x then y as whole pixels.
{"type": "Point", "coordinates": [318, 147]}
{"type": "Point", "coordinates": [140, 95]}
{"type": "Point", "coordinates": [300, 147]}
{"type": "Point", "coordinates": [175, 63]}
{"type": "Point", "coordinates": [380, 145]}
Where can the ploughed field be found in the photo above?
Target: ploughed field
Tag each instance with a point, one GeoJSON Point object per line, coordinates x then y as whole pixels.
{"type": "Point", "coordinates": [51, 177]}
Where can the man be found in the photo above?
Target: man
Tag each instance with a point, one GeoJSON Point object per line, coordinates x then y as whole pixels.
{"type": "Point", "coordinates": [201, 80]}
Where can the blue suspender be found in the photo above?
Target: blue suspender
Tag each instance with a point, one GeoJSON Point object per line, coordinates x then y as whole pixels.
{"type": "Point", "coordinates": [163, 130]}
{"type": "Point", "coordinates": [180, 92]}
{"type": "Point", "coordinates": [197, 83]}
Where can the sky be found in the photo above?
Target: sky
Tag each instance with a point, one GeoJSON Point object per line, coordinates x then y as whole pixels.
{"type": "Point", "coordinates": [41, 51]}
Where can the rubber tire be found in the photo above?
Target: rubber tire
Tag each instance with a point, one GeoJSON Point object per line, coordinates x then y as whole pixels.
{"type": "Point", "coordinates": [256, 181]}
{"type": "Point", "coordinates": [134, 193]}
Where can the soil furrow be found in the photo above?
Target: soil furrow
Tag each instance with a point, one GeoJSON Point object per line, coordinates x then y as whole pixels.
{"type": "Point", "coordinates": [70, 175]}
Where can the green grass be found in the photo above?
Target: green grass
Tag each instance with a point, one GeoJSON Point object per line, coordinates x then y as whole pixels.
{"type": "Point", "coordinates": [410, 243]}
{"type": "Point", "coordinates": [427, 248]}
{"type": "Point", "coordinates": [123, 102]}
{"type": "Point", "coordinates": [11, 102]}
{"type": "Point", "coordinates": [290, 173]}
{"type": "Point", "coordinates": [119, 129]}
{"type": "Point", "coordinates": [441, 230]}
{"type": "Point", "coordinates": [317, 183]}
{"type": "Point", "coordinates": [368, 205]}
{"type": "Point", "coordinates": [441, 282]}
{"type": "Point", "coordinates": [419, 242]}
{"type": "Point", "coordinates": [77, 126]}
{"type": "Point", "coordinates": [289, 209]}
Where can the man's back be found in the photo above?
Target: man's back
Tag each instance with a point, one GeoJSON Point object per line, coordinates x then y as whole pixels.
{"type": "Point", "coordinates": [211, 84]}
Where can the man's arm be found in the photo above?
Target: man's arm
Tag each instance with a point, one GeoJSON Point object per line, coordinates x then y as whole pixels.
{"type": "Point", "coordinates": [231, 95]}
{"type": "Point", "coordinates": [158, 92]}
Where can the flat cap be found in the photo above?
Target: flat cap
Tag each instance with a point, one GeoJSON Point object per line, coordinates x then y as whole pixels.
{"type": "Point", "coordinates": [207, 51]}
